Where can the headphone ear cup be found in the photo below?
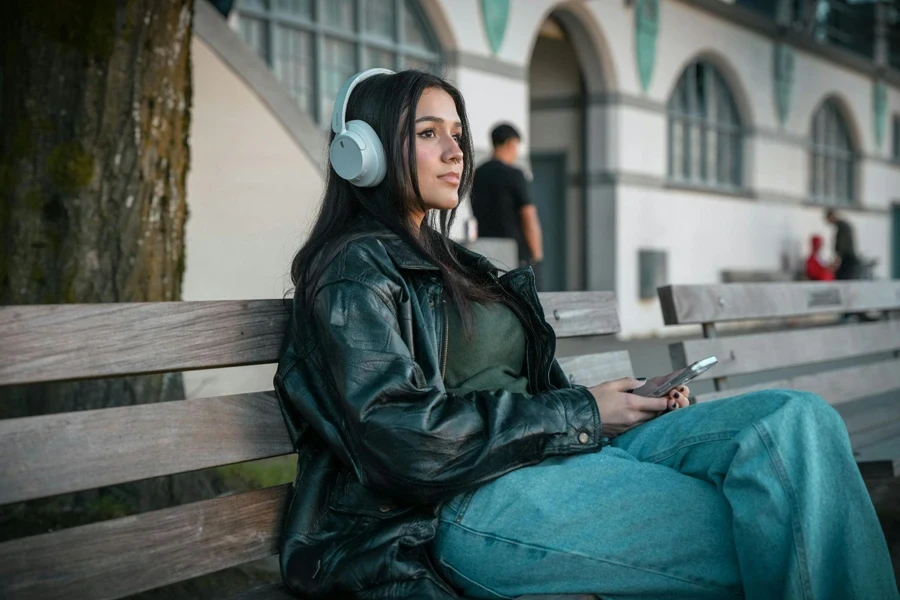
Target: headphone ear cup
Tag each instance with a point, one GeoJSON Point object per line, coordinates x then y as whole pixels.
{"type": "Point", "coordinates": [358, 156]}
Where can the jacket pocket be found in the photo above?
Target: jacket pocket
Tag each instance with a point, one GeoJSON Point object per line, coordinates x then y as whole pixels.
{"type": "Point", "coordinates": [349, 496]}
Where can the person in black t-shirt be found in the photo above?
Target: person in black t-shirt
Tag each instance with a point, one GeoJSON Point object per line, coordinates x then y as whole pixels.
{"type": "Point", "coordinates": [500, 199]}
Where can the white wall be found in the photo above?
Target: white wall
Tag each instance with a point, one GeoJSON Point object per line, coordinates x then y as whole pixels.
{"type": "Point", "coordinates": [491, 99]}
{"type": "Point", "coordinates": [464, 20]}
{"type": "Point", "coordinates": [703, 234]}
{"type": "Point", "coordinates": [880, 184]}
{"type": "Point", "coordinates": [778, 167]}
{"type": "Point", "coordinates": [251, 191]}
{"type": "Point", "coordinates": [640, 141]}
{"type": "Point", "coordinates": [251, 195]}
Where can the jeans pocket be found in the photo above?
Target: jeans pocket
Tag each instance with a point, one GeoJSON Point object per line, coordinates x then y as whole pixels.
{"type": "Point", "coordinates": [455, 508]}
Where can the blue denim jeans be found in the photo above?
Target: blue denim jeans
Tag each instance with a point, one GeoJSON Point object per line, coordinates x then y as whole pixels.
{"type": "Point", "coordinates": [756, 496]}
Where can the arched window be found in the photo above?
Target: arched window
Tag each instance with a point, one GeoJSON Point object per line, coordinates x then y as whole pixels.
{"type": "Point", "coordinates": [832, 158]}
{"type": "Point", "coordinates": [313, 46]}
{"type": "Point", "coordinates": [705, 134]}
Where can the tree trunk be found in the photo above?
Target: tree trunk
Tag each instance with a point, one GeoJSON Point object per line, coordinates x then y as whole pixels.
{"type": "Point", "coordinates": [95, 101]}
{"type": "Point", "coordinates": [95, 115]}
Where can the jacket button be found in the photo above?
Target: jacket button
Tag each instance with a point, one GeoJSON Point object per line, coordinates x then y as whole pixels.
{"type": "Point", "coordinates": [584, 438]}
{"type": "Point", "coordinates": [384, 508]}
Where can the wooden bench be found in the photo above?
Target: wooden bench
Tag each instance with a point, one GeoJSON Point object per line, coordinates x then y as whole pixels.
{"type": "Point", "coordinates": [873, 423]}
{"type": "Point", "coordinates": [54, 454]}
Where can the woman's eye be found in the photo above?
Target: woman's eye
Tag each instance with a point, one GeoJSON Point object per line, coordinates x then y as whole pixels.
{"type": "Point", "coordinates": [458, 138]}
{"type": "Point", "coordinates": [428, 133]}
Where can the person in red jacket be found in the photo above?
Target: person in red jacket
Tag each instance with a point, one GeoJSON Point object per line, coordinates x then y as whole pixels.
{"type": "Point", "coordinates": [816, 269]}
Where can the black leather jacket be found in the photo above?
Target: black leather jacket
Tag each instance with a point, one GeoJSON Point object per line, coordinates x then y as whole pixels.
{"type": "Point", "coordinates": [380, 441]}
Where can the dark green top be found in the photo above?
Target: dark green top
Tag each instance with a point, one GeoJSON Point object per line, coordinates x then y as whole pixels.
{"type": "Point", "coordinates": [494, 357]}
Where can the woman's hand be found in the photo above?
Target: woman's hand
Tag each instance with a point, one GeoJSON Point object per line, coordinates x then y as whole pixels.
{"type": "Point", "coordinates": [620, 411]}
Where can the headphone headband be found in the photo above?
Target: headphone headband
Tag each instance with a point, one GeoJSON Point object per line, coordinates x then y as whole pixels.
{"type": "Point", "coordinates": [339, 115]}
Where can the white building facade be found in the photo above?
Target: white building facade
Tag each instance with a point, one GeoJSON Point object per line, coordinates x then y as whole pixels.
{"type": "Point", "coordinates": [696, 132]}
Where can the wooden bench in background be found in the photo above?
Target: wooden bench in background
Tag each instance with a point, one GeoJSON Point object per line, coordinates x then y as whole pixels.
{"type": "Point", "coordinates": [873, 423]}
{"type": "Point", "coordinates": [54, 454]}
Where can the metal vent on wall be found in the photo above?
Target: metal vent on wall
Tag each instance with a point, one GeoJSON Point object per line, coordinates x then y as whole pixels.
{"type": "Point", "coordinates": [652, 272]}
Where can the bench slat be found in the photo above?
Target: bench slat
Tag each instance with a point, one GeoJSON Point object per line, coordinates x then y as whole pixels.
{"type": "Point", "coordinates": [76, 341]}
{"type": "Point", "coordinates": [692, 304]}
{"type": "Point", "coordinates": [124, 556]}
{"type": "Point", "coordinates": [593, 369]}
{"type": "Point", "coordinates": [573, 314]}
{"type": "Point", "coordinates": [58, 342]}
{"type": "Point", "coordinates": [59, 453]}
{"type": "Point", "coordinates": [888, 432]}
{"type": "Point", "coordinates": [752, 353]}
{"type": "Point", "coordinates": [835, 387]}
{"type": "Point", "coordinates": [870, 413]}
{"type": "Point", "coordinates": [67, 452]}
{"type": "Point", "coordinates": [881, 444]}
{"type": "Point", "coordinates": [886, 453]}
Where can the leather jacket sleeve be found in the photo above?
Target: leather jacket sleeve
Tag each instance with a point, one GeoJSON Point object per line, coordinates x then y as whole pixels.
{"type": "Point", "coordinates": [405, 435]}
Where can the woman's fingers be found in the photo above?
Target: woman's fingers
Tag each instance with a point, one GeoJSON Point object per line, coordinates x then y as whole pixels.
{"type": "Point", "coordinates": [678, 398]}
{"type": "Point", "coordinates": [644, 404]}
{"type": "Point", "coordinates": [624, 384]}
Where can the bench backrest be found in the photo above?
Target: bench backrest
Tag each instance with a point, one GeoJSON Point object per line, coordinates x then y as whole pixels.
{"type": "Point", "coordinates": [711, 305]}
{"type": "Point", "coordinates": [60, 453]}
{"type": "Point", "coordinates": [824, 339]}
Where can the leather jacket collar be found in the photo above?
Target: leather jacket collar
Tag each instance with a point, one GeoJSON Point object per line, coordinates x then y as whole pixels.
{"type": "Point", "coordinates": [407, 257]}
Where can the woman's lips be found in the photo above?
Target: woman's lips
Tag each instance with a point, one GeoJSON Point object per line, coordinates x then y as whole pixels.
{"type": "Point", "coordinates": [452, 178]}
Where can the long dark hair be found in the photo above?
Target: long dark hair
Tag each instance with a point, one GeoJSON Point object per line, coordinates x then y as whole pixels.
{"type": "Point", "coordinates": [348, 211]}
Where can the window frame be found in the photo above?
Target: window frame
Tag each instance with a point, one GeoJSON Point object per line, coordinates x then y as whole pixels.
{"type": "Point", "coordinates": [362, 40]}
{"type": "Point", "coordinates": [709, 131]}
{"type": "Point", "coordinates": [833, 157]}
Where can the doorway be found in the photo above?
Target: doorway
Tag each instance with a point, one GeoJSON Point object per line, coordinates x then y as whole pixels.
{"type": "Point", "coordinates": [568, 147]}
{"type": "Point", "coordinates": [549, 195]}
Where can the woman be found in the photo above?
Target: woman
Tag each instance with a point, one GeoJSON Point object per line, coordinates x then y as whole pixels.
{"type": "Point", "coordinates": [442, 450]}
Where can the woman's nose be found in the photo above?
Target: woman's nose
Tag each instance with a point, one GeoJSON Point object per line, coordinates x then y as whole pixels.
{"type": "Point", "coordinates": [453, 153]}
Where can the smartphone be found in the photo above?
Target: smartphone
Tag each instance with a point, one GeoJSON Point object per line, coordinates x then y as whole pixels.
{"type": "Point", "coordinates": [659, 387]}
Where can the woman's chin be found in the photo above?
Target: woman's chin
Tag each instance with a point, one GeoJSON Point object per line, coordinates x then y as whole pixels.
{"type": "Point", "coordinates": [444, 203]}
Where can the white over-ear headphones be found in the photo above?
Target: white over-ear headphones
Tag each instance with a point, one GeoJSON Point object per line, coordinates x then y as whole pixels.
{"type": "Point", "coordinates": [356, 152]}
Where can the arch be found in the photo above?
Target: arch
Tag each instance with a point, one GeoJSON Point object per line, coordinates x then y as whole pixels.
{"type": "Point", "coordinates": [578, 148]}
{"type": "Point", "coordinates": [729, 74]}
{"type": "Point", "coordinates": [588, 40]}
{"type": "Point", "coordinates": [842, 106]}
{"type": "Point", "coordinates": [834, 150]}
